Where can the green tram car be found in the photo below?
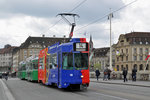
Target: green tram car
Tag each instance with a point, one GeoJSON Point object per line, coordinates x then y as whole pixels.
{"type": "Point", "coordinates": [32, 69]}
{"type": "Point", "coordinates": [22, 70]}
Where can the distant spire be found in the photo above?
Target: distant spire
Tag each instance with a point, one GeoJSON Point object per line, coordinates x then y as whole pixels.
{"type": "Point", "coordinates": [91, 43]}
{"type": "Point", "coordinates": [90, 37]}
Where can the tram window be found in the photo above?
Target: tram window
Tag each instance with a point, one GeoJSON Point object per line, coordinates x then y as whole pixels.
{"type": "Point", "coordinates": [41, 63]}
{"type": "Point", "coordinates": [30, 66]}
{"type": "Point", "coordinates": [53, 61]}
{"type": "Point", "coordinates": [24, 67]}
{"type": "Point", "coordinates": [67, 61]}
{"type": "Point", "coordinates": [35, 65]}
{"type": "Point", "coordinates": [81, 61]}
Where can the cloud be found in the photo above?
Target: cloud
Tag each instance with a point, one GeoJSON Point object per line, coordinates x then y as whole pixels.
{"type": "Point", "coordinates": [22, 18]}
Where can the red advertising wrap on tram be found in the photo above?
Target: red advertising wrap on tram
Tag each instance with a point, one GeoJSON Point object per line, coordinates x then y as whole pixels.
{"type": "Point", "coordinates": [42, 66]}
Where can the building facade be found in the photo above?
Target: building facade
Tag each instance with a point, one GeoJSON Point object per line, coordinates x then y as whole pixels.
{"type": "Point", "coordinates": [101, 58]}
{"type": "Point", "coordinates": [15, 60]}
{"type": "Point", "coordinates": [131, 51]}
{"type": "Point", "coordinates": [32, 47]}
{"type": "Point", "coordinates": [6, 58]}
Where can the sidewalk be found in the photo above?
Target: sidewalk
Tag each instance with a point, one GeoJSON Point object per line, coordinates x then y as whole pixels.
{"type": "Point", "coordinates": [120, 82]}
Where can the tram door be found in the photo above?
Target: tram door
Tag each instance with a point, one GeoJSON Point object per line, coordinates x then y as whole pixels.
{"type": "Point", "coordinates": [47, 68]}
{"type": "Point", "coordinates": [59, 65]}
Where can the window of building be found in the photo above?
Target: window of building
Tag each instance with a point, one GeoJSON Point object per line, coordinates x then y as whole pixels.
{"type": "Point", "coordinates": [141, 51]}
{"type": "Point", "coordinates": [117, 58]}
{"type": "Point", "coordinates": [134, 58]}
{"type": "Point", "coordinates": [141, 58]}
{"type": "Point", "coordinates": [127, 67]}
{"type": "Point", "coordinates": [127, 51]}
{"type": "Point", "coordinates": [146, 50]}
{"type": "Point", "coordinates": [127, 39]}
{"type": "Point", "coordinates": [25, 52]}
{"type": "Point", "coordinates": [135, 66]}
{"type": "Point", "coordinates": [30, 52]}
{"type": "Point", "coordinates": [141, 67]}
{"type": "Point", "coordinates": [147, 67]}
{"type": "Point", "coordinates": [134, 42]}
{"type": "Point", "coordinates": [134, 50]}
{"type": "Point", "coordinates": [126, 58]}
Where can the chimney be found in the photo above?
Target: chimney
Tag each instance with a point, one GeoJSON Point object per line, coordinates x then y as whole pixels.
{"type": "Point", "coordinates": [54, 36]}
{"type": "Point", "coordinates": [43, 35]}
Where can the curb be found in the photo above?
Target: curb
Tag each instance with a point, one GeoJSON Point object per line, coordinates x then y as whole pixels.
{"type": "Point", "coordinates": [7, 91]}
{"type": "Point", "coordinates": [122, 84]}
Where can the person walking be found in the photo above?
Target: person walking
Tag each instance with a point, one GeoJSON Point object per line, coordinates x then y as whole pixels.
{"type": "Point", "coordinates": [109, 72]}
{"type": "Point", "coordinates": [105, 74]}
{"type": "Point", "coordinates": [6, 76]}
{"type": "Point", "coordinates": [97, 73]}
{"type": "Point", "coordinates": [124, 73]}
{"type": "Point", "coordinates": [134, 70]}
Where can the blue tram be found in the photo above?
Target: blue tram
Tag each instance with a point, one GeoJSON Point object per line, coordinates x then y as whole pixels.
{"type": "Point", "coordinates": [66, 65]}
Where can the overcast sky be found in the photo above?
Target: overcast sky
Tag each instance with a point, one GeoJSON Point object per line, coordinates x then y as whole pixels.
{"type": "Point", "coordinates": [20, 19]}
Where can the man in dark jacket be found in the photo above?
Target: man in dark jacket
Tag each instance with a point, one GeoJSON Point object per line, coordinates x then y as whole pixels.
{"type": "Point", "coordinates": [124, 73]}
{"type": "Point", "coordinates": [109, 72]}
{"type": "Point", "coordinates": [134, 70]}
{"type": "Point", "coordinates": [97, 73]}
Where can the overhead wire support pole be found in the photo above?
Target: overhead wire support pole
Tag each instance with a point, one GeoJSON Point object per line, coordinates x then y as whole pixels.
{"type": "Point", "coordinates": [110, 59]}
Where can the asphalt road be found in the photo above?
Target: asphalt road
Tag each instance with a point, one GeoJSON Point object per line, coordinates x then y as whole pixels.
{"type": "Point", "coordinates": [23, 90]}
{"type": "Point", "coordinates": [2, 94]}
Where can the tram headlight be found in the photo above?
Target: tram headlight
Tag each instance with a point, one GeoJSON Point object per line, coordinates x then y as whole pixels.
{"type": "Point", "coordinates": [82, 76]}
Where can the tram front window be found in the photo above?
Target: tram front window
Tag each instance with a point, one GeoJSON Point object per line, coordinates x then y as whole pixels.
{"type": "Point", "coordinates": [81, 61]}
{"type": "Point", "coordinates": [67, 61]}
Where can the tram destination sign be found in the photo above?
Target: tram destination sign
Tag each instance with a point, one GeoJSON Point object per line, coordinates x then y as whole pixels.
{"type": "Point", "coordinates": [81, 47]}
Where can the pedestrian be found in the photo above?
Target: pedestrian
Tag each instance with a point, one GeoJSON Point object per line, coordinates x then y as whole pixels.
{"type": "Point", "coordinates": [109, 72]}
{"type": "Point", "coordinates": [105, 74]}
{"type": "Point", "coordinates": [6, 75]}
{"type": "Point", "coordinates": [134, 70]}
{"type": "Point", "coordinates": [97, 73]}
{"type": "Point", "coordinates": [124, 73]}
